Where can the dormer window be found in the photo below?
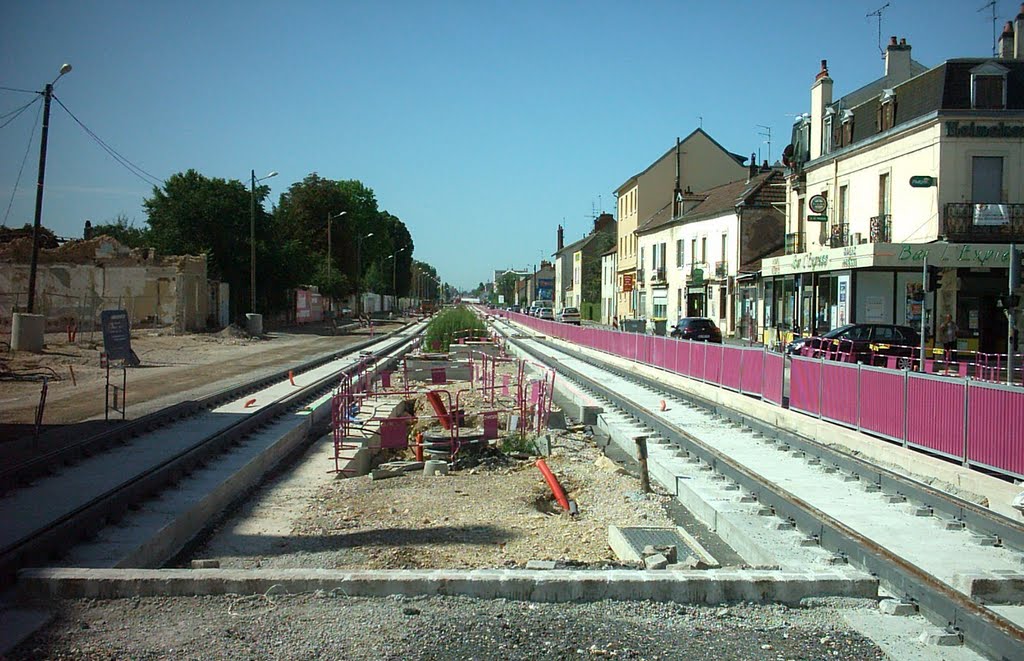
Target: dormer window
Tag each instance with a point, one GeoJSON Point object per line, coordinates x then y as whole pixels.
{"type": "Point", "coordinates": [826, 130]}
{"type": "Point", "coordinates": [988, 87]}
{"type": "Point", "coordinates": [887, 110]}
{"type": "Point", "coordinates": [846, 120]}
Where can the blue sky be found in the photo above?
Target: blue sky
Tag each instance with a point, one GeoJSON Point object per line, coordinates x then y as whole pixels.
{"type": "Point", "coordinates": [482, 124]}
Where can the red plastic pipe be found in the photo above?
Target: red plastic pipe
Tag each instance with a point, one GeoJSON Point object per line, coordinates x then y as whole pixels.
{"type": "Point", "coordinates": [552, 481]}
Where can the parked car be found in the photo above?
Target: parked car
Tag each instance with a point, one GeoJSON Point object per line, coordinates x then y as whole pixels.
{"type": "Point", "coordinates": [864, 341]}
{"type": "Point", "coordinates": [532, 311]}
{"type": "Point", "coordinates": [569, 316]}
{"type": "Point", "coordinates": [546, 313]}
{"type": "Point", "coordinates": [697, 328]}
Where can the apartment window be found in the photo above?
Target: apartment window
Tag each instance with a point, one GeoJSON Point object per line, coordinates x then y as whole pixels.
{"type": "Point", "coordinates": [884, 194]}
{"type": "Point", "coordinates": [844, 204]}
{"type": "Point", "coordinates": [662, 253]}
{"type": "Point", "coordinates": [679, 253]}
{"type": "Point", "coordinates": [693, 251]}
{"type": "Point", "coordinates": [987, 179]}
{"type": "Point", "coordinates": [886, 110]}
{"type": "Point", "coordinates": [846, 119]}
{"type": "Point", "coordinates": [704, 250]}
{"type": "Point", "coordinates": [988, 86]}
{"type": "Point", "coordinates": [826, 131]}
{"type": "Point", "coordinates": [725, 247]}
{"type": "Point", "coordinates": [679, 302]}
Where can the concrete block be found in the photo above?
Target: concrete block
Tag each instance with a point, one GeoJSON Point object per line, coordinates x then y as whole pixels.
{"type": "Point", "coordinates": [545, 565]}
{"type": "Point", "coordinates": [435, 467]}
{"type": "Point", "coordinates": [953, 524]}
{"type": "Point", "coordinates": [991, 587]}
{"type": "Point", "coordinates": [556, 419]}
{"type": "Point", "coordinates": [781, 525]}
{"type": "Point", "coordinates": [588, 414]}
{"type": "Point", "coordinates": [923, 511]}
{"type": "Point", "coordinates": [894, 498]}
{"type": "Point", "coordinates": [897, 607]}
{"type": "Point", "coordinates": [384, 474]}
{"type": "Point", "coordinates": [656, 561]}
{"type": "Point", "coordinates": [940, 637]}
{"type": "Point", "coordinates": [27, 332]}
{"type": "Point", "coordinates": [205, 564]}
{"type": "Point", "coordinates": [871, 487]}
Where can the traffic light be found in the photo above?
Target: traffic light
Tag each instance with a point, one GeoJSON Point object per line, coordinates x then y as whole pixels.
{"type": "Point", "coordinates": [934, 279]}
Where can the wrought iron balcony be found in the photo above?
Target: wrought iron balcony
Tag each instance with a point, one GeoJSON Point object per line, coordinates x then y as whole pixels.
{"type": "Point", "coordinates": [658, 274]}
{"type": "Point", "coordinates": [839, 236]}
{"type": "Point", "coordinates": [721, 270]}
{"type": "Point", "coordinates": [881, 228]}
{"type": "Point", "coordinates": [983, 223]}
{"type": "Point", "coordinates": [795, 243]}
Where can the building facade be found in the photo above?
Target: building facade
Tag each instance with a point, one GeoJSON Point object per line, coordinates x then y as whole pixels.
{"type": "Point", "coordinates": [923, 168]}
{"type": "Point", "coordinates": [703, 260]}
{"type": "Point", "coordinates": [696, 162]}
{"type": "Point", "coordinates": [609, 297]}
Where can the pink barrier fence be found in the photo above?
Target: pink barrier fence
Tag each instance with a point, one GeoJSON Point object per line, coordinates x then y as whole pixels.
{"type": "Point", "coordinates": [974, 422]}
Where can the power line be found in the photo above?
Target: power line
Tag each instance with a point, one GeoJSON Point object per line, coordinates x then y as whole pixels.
{"type": "Point", "coordinates": [148, 178]}
{"type": "Point", "coordinates": [16, 112]}
{"type": "Point", "coordinates": [18, 89]}
{"type": "Point", "coordinates": [24, 158]}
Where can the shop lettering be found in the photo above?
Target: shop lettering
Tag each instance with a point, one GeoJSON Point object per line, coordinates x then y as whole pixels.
{"type": "Point", "coordinates": [972, 130]}
{"type": "Point", "coordinates": [967, 255]}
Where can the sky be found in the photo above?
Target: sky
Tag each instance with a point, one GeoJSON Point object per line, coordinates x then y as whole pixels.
{"type": "Point", "coordinates": [482, 124]}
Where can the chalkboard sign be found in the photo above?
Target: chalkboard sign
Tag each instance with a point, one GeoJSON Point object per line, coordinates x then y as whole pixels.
{"type": "Point", "coordinates": [117, 337]}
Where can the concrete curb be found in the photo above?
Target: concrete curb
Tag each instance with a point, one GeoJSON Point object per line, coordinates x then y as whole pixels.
{"type": "Point", "coordinates": [559, 585]}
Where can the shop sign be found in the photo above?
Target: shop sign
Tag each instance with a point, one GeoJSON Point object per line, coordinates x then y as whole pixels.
{"type": "Point", "coordinates": [697, 277]}
{"type": "Point", "coordinates": [817, 204]}
{"type": "Point", "coordinates": [991, 214]}
{"type": "Point", "coordinates": [954, 255]}
{"type": "Point", "coordinates": [974, 130]}
{"type": "Point", "coordinates": [627, 282]}
{"type": "Point", "coordinates": [923, 181]}
{"type": "Point", "coordinates": [817, 218]}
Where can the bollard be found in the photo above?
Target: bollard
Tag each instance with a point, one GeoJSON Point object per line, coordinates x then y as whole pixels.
{"type": "Point", "coordinates": [641, 455]}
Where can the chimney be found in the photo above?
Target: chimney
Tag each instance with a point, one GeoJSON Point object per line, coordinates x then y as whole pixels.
{"type": "Point", "coordinates": [821, 97]}
{"type": "Point", "coordinates": [897, 62]}
{"type": "Point", "coordinates": [752, 168]}
{"type": "Point", "coordinates": [561, 237]}
{"type": "Point", "coordinates": [1018, 31]}
{"type": "Point", "coordinates": [603, 221]}
{"type": "Point", "coordinates": [1006, 42]}
{"type": "Point", "coordinates": [690, 200]}
{"type": "Point", "coordinates": [87, 234]}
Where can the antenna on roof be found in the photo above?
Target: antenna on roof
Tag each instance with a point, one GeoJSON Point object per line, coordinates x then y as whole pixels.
{"type": "Point", "coordinates": [878, 13]}
{"type": "Point", "coordinates": [767, 133]}
{"type": "Point", "coordinates": [992, 4]}
{"type": "Point", "coordinates": [700, 120]}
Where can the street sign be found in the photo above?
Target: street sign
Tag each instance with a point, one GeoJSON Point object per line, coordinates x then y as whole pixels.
{"type": "Point", "coordinates": [818, 218]}
{"type": "Point", "coordinates": [923, 181]}
{"type": "Point", "coordinates": [117, 336]}
{"type": "Point", "coordinates": [817, 204]}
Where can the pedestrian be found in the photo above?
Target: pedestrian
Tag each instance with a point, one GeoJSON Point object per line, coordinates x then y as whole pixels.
{"type": "Point", "coordinates": [948, 331]}
{"type": "Point", "coordinates": [615, 322]}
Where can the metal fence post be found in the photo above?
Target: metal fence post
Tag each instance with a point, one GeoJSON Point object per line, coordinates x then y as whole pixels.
{"type": "Point", "coordinates": [967, 425]}
{"type": "Point", "coordinates": [906, 405]}
{"type": "Point", "coordinates": [859, 365]}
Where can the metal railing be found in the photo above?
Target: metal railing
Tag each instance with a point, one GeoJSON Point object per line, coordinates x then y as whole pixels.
{"type": "Point", "coordinates": [795, 243]}
{"type": "Point", "coordinates": [640, 277]}
{"type": "Point", "coordinates": [658, 274]}
{"type": "Point", "coordinates": [968, 221]}
{"type": "Point", "coordinates": [881, 228]}
{"type": "Point", "coordinates": [839, 235]}
{"type": "Point", "coordinates": [721, 269]}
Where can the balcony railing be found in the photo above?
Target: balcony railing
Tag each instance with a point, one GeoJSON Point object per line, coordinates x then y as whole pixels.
{"type": "Point", "coordinates": [881, 228]}
{"type": "Point", "coordinates": [658, 274]}
{"type": "Point", "coordinates": [976, 223]}
{"type": "Point", "coordinates": [640, 278]}
{"type": "Point", "coordinates": [839, 235]}
{"type": "Point", "coordinates": [795, 243]}
{"type": "Point", "coordinates": [721, 270]}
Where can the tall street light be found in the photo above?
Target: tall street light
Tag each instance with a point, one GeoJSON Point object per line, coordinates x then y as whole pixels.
{"type": "Point", "coordinates": [359, 272]}
{"type": "Point", "coordinates": [36, 223]}
{"type": "Point", "coordinates": [331, 217]}
{"type": "Point", "coordinates": [252, 236]}
{"type": "Point", "coordinates": [394, 273]}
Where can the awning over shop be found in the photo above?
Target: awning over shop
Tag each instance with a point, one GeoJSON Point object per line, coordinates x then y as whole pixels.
{"type": "Point", "coordinates": [890, 256]}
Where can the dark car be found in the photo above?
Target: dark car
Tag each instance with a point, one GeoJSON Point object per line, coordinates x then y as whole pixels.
{"type": "Point", "coordinates": [864, 341]}
{"type": "Point", "coordinates": [701, 329]}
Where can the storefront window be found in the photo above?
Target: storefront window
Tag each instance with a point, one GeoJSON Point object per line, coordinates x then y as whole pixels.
{"type": "Point", "coordinates": [769, 301]}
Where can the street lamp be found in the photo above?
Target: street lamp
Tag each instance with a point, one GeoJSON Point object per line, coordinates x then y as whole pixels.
{"type": "Point", "coordinates": [359, 272]}
{"type": "Point", "coordinates": [331, 217]}
{"type": "Point", "coordinates": [36, 223]}
{"type": "Point", "coordinates": [252, 236]}
{"type": "Point", "coordinates": [394, 272]}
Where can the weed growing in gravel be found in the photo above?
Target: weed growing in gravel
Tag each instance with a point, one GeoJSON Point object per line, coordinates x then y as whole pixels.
{"type": "Point", "coordinates": [518, 444]}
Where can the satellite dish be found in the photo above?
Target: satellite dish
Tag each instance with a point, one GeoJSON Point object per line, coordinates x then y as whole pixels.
{"type": "Point", "coordinates": [787, 156]}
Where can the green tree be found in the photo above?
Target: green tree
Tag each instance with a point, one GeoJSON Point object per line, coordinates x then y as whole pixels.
{"type": "Point", "coordinates": [591, 272]}
{"type": "Point", "coordinates": [124, 231]}
{"type": "Point", "coordinates": [506, 286]}
{"type": "Point", "coordinates": [195, 214]}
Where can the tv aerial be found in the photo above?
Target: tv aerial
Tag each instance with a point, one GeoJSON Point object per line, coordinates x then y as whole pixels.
{"type": "Point", "coordinates": [878, 13]}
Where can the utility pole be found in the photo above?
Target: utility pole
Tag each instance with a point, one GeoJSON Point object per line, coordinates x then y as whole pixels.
{"type": "Point", "coordinates": [1011, 310]}
{"type": "Point", "coordinates": [924, 303]}
{"type": "Point", "coordinates": [38, 218]}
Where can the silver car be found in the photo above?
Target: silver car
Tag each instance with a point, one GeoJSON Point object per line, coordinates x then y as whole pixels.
{"type": "Point", "coordinates": [569, 316]}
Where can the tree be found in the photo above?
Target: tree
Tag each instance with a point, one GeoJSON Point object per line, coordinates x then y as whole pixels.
{"type": "Point", "coordinates": [124, 231]}
{"type": "Point", "coordinates": [194, 214]}
{"type": "Point", "coordinates": [591, 272]}
{"type": "Point", "coordinates": [506, 286]}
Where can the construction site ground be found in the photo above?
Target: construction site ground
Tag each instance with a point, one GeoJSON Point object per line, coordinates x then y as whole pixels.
{"type": "Point", "coordinates": [175, 367]}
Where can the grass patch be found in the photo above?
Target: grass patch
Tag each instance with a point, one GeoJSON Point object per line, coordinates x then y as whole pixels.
{"type": "Point", "coordinates": [519, 444]}
{"type": "Point", "coordinates": [449, 325]}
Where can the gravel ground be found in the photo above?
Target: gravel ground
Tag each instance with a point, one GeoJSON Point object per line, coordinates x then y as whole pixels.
{"type": "Point", "coordinates": [320, 625]}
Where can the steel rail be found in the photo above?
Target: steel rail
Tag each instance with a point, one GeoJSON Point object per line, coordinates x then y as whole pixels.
{"type": "Point", "coordinates": [981, 628]}
{"type": "Point", "coordinates": [82, 521]}
{"type": "Point", "coordinates": [120, 432]}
